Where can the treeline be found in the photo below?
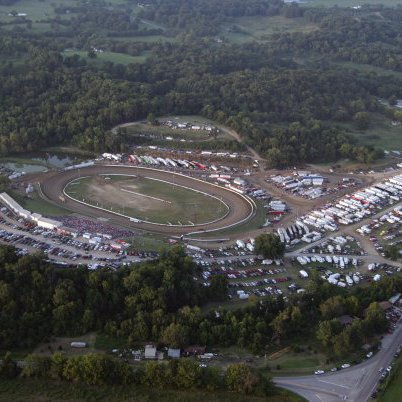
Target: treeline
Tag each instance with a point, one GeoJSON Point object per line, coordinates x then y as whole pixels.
{"type": "Point", "coordinates": [204, 17]}
{"type": "Point", "coordinates": [102, 370]}
{"type": "Point", "coordinates": [339, 339]}
{"type": "Point", "coordinates": [370, 36]}
{"type": "Point", "coordinates": [8, 2]}
{"type": "Point", "coordinates": [161, 301]}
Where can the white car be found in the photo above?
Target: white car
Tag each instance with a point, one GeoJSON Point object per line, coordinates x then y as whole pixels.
{"type": "Point", "coordinates": [346, 365]}
{"type": "Point", "coordinates": [368, 355]}
{"type": "Point", "coordinates": [319, 372]}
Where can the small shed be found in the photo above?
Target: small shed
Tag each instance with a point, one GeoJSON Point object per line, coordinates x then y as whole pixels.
{"type": "Point", "coordinates": [150, 352]}
{"type": "Point", "coordinates": [174, 353]}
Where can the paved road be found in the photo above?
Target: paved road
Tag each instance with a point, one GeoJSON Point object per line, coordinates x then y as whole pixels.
{"type": "Point", "coordinates": [354, 384]}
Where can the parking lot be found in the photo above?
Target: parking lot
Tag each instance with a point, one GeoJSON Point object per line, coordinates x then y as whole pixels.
{"type": "Point", "coordinates": [65, 250]}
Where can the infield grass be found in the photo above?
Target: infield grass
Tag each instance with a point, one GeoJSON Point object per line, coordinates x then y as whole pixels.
{"type": "Point", "coordinates": [146, 199]}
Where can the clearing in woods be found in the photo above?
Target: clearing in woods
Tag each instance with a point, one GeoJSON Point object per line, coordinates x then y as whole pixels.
{"type": "Point", "coordinates": [148, 199]}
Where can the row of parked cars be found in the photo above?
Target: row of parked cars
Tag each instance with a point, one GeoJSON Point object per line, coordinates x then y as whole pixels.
{"type": "Point", "coordinates": [54, 244]}
{"type": "Point", "coordinates": [262, 282]}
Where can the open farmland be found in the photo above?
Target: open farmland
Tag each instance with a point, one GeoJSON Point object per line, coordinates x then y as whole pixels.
{"type": "Point", "coordinates": [34, 10]}
{"type": "Point", "coordinates": [118, 58]}
{"type": "Point", "coordinates": [380, 133]}
{"type": "Point", "coordinates": [148, 199]}
{"type": "Point", "coordinates": [258, 28]}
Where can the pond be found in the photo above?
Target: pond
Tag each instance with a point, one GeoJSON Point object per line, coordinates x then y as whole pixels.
{"type": "Point", "coordinates": [40, 162]}
{"type": "Point", "coordinates": [24, 167]}
{"type": "Point", "coordinates": [59, 161]}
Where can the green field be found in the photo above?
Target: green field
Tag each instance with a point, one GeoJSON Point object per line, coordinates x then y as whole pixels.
{"type": "Point", "coordinates": [380, 133]}
{"type": "Point", "coordinates": [147, 39]}
{"type": "Point", "coordinates": [39, 205]}
{"type": "Point", "coordinates": [148, 242]}
{"type": "Point", "coordinates": [118, 58]}
{"type": "Point", "coordinates": [259, 28]}
{"type": "Point", "coordinates": [35, 10]}
{"type": "Point", "coordinates": [163, 131]}
{"type": "Point", "coordinates": [53, 391]}
{"type": "Point", "coordinates": [147, 199]}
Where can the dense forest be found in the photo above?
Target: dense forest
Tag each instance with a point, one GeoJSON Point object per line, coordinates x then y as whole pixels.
{"type": "Point", "coordinates": [283, 95]}
{"type": "Point", "coordinates": [162, 301]}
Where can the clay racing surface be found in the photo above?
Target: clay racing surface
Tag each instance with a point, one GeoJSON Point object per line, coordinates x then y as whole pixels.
{"type": "Point", "coordinates": [241, 208]}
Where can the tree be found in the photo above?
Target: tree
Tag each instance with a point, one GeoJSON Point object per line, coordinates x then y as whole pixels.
{"type": "Point", "coordinates": [327, 332]}
{"type": "Point", "coordinates": [375, 321]}
{"type": "Point", "coordinates": [241, 378]}
{"type": "Point", "coordinates": [275, 157]}
{"type": "Point", "coordinates": [362, 120]}
{"type": "Point", "coordinates": [151, 119]}
{"type": "Point", "coordinates": [4, 183]}
{"type": "Point", "coordinates": [269, 246]}
{"type": "Point", "coordinates": [392, 100]}
{"type": "Point", "coordinates": [398, 115]}
{"type": "Point", "coordinates": [188, 374]}
{"type": "Point", "coordinates": [155, 375]}
{"type": "Point", "coordinates": [393, 252]}
{"type": "Point", "coordinates": [218, 289]}
{"type": "Point", "coordinates": [91, 54]}
{"type": "Point", "coordinates": [8, 367]}
{"type": "Point", "coordinates": [175, 335]}
{"type": "Point", "coordinates": [36, 366]}
{"type": "Point", "coordinates": [332, 307]}
{"type": "Point", "coordinates": [57, 363]}
{"type": "Point", "coordinates": [288, 322]}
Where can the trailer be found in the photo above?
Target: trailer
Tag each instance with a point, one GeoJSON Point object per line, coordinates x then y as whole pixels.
{"type": "Point", "coordinates": [303, 274]}
{"type": "Point", "coordinates": [79, 345]}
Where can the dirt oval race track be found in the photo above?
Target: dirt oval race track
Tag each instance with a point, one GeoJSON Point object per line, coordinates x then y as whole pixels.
{"type": "Point", "coordinates": [241, 208]}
